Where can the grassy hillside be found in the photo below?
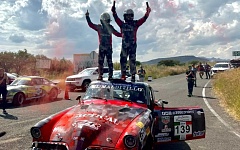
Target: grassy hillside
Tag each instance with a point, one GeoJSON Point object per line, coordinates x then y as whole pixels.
{"type": "Point", "coordinates": [227, 89]}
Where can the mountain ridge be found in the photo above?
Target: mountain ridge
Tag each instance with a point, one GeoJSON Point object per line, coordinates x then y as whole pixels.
{"type": "Point", "coordinates": [185, 59]}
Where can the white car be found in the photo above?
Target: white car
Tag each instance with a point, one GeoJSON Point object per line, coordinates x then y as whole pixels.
{"type": "Point", "coordinates": [83, 78]}
{"type": "Point", "coordinates": [117, 75]}
{"type": "Point", "coordinates": [220, 67]}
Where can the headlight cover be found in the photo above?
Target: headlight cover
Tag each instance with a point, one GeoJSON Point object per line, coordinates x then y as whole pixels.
{"type": "Point", "coordinates": [35, 132]}
{"type": "Point", "coordinates": [130, 141]}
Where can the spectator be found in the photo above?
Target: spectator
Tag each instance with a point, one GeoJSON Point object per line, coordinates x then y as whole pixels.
{"type": "Point", "coordinates": [129, 29]}
{"type": "Point", "coordinates": [141, 73]}
{"type": "Point", "coordinates": [194, 69]}
{"type": "Point", "coordinates": [105, 31]}
{"type": "Point", "coordinates": [190, 80]}
{"type": "Point", "coordinates": [3, 88]}
{"type": "Point", "coordinates": [201, 70]}
{"type": "Point", "coordinates": [207, 71]}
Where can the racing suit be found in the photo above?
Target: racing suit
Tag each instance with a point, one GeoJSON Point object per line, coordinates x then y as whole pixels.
{"type": "Point", "coordinates": [129, 41]}
{"type": "Point", "coordinates": [105, 32]}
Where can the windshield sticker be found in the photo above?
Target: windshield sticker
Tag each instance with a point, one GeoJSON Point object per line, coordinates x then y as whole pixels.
{"type": "Point", "coordinates": [128, 87]}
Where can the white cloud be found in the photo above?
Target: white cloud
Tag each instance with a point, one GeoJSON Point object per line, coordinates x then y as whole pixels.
{"type": "Point", "coordinates": [174, 27]}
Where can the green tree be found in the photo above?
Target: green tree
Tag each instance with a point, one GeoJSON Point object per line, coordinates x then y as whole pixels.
{"type": "Point", "coordinates": [168, 63]}
{"type": "Point", "coordinates": [24, 61]}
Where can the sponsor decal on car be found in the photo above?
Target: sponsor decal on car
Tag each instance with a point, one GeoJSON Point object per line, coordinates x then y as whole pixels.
{"type": "Point", "coordinates": [164, 139]}
{"type": "Point", "coordinates": [166, 128]}
{"type": "Point", "coordinates": [182, 118]}
{"type": "Point", "coordinates": [165, 119]}
{"type": "Point", "coordinates": [162, 134]}
{"type": "Point", "coordinates": [198, 133]}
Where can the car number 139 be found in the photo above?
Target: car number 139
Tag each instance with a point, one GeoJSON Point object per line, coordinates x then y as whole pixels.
{"type": "Point", "coordinates": [182, 128]}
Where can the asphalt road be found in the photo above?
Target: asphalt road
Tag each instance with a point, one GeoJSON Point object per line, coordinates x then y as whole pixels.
{"type": "Point", "coordinates": [223, 133]}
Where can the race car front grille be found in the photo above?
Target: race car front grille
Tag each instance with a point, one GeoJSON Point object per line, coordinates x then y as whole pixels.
{"type": "Point", "coordinates": [49, 146]}
{"type": "Point", "coordinates": [70, 79]}
{"type": "Point", "coordinates": [99, 148]}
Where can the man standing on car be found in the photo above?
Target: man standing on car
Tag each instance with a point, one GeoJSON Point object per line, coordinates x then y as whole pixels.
{"type": "Point", "coordinates": [141, 73]}
{"type": "Point", "coordinates": [3, 88]}
{"type": "Point", "coordinates": [129, 29]}
{"type": "Point", "coordinates": [105, 31]}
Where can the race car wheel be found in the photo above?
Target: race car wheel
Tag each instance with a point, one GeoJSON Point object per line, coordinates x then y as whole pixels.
{"type": "Point", "coordinates": [149, 143]}
{"type": "Point", "coordinates": [53, 94]}
{"type": "Point", "coordinates": [85, 85]}
{"type": "Point", "coordinates": [44, 96]}
{"type": "Point", "coordinates": [18, 99]}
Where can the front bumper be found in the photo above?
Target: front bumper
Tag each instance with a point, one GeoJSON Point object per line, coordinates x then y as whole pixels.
{"type": "Point", "coordinates": [63, 146]}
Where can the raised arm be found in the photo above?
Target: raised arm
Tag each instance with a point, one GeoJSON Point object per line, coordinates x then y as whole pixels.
{"type": "Point", "coordinates": [115, 16]}
{"type": "Point", "coordinates": [90, 24]}
{"type": "Point", "coordinates": [144, 18]}
{"type": "Point", "coordinates": [116, 33]}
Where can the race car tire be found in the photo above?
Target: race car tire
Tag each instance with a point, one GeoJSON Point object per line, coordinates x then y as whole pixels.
{"type": "Point", "coordinates": [149, 143]}
{"type": "Point", "coordinates": [53, 94]}
{"type": "Point", "coordinates": [85, 85]}
{"type": "Point", "coordinates": [18, 99]}
{"type": "Point", "coordinates": [44, 96]}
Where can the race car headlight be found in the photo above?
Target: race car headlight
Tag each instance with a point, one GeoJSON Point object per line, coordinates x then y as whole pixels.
{"type": "Point", "coordinates": [35, 132]}
{"type": "Point", "coordinates": [130, 141]}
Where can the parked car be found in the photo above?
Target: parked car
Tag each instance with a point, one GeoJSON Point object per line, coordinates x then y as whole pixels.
{"type": "Point", "coordinates": [118, 115]}
{"type": "Point", "coordinates": [117, 75]}
{"type": "Point", "coordinates": [220, 67]}
{"type": "Point", "coordinates": [28, 88]}
{"type": "Point", "coordinates": [83, 78]}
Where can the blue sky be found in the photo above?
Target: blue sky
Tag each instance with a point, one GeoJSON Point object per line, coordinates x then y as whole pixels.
{"type": "Point", "coordinates": [58, 28]}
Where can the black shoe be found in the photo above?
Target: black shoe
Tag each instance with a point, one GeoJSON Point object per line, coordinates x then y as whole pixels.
{"type": "Point", "coordinates": [5, 112]}
{"type": "Point", "coordinates": [2, 134]}
{"type": "Point", "coordinates": [195, 85]}
{"type": "Point", "coordinates": [100, 78]}
{"type": "Point", "coordinates": [133, 78]}
{"type": "Point", "coordinates": [110, 78]}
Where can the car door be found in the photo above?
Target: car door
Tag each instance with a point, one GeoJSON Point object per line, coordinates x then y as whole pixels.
{"type": "Point", "coordinates": [178, 124]}
{"type": "Point", "coordinates": [37, 86]}
{"type": "Point", "coordinates": [30, 89]}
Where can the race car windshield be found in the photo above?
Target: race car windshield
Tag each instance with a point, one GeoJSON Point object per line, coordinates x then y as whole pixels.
{"type": "Point", "coordinates": [221, 66]}
{"type": "Point", "coordinates": [21, 81]}
{"type": "Point", "coordinates": [116, 91]}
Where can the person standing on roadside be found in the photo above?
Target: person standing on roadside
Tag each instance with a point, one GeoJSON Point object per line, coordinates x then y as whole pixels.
{"type": "Point", "coordinates": [207, 70]}
{"type": "Point", "coordinates": [190, 80]}
{"type": "Point", "coordinates": [3, 88]}
{"type": "Point", "coordinates": [201, 70]}
{"type": "Point", "coordinates": [194, 69]}
{"type": "Point", "coordinates": [129, 29]}
{"type": "Point", "coordinates": [141, 73]}
{"type": "Point", "coordinates": [105, 31]}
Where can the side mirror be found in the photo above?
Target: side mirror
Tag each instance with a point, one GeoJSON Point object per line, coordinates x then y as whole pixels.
{"type": "Point", "coordinates": [161, 103]}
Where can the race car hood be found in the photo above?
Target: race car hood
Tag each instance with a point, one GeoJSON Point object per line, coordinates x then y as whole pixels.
{"type": "Point", "coordinates": [78, 75]}
{"type": "Point", "coordinates": [94, 124]}
{"type": "Point", "coordinates": [221, 69]}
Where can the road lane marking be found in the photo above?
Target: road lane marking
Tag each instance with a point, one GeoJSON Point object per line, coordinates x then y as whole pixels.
{"type": "Point", "coordinates": [215, 114]}
{"type": "Point", "coordinates": [9, 140]}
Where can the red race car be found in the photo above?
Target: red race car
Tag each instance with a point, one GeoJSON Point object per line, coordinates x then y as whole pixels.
{"type": "Point", "coordinates": [118, 115]}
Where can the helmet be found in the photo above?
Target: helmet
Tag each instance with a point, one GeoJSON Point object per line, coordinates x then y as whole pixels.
{"type": "Point", "coordinates": [105, 17]}
{"type": "Point", "coordinates": [129, 13]}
